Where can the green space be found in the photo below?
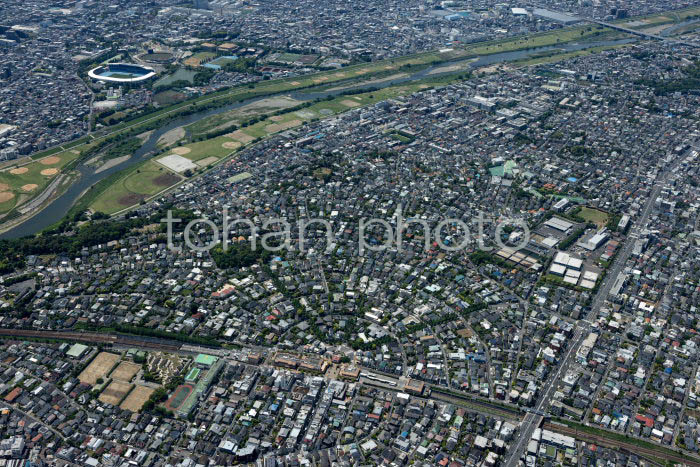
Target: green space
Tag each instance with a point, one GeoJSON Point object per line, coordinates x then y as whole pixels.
{"type": "Point", "coordinates": [557, 57]}
{"type": "Point", "coordinates": [223, 61]}
{"type": "Point", "coordinates": [238, 116]}
{"type": "Point", "coordinates": [169, 97]}
{"type": "Point", "coordinates": [215, 147]}
{"type": "Point", "coordinates": [401, 138]}
{"type": "Point", "coordinates": [202, 56]}
{"type": "Point", "coordinates": [560, 36]}
{"type": "Point", "coordinates": [663, 18]}
{"type": "Point", "coordinates": [19, 184]}
{"type": "Point", "coordinates": [599, 218]}
{"type": "Point", "coordinates": [288, 57]}
{"type": "Point", "coordinates": [182, 74]}
{"type": "Point", "coordinates": [134, 186]}
{"type": "Point", "coordinates": [239, 177]}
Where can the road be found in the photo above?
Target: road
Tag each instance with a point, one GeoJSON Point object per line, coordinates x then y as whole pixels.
{"type": "Point", "coordinates": [583, 327]}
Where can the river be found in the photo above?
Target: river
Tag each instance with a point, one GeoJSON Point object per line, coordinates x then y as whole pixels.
{"type": "Point", "coordinates": [57, 209]}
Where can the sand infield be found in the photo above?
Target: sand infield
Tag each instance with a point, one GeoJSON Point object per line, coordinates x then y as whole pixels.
{"type": "Point", "coordinates": [19, 171]}
{"type": "Point", "coordinates": [4, 187]}
{"type": "Point", "coordinates": [182, 151]}
{"type": "Point", "coordinates": [241, 136]}
{"type": "Point", "coordinates": [49, 172]}
{"type": "Point", "coordinates": [6, 196]}
{"type": "Point", "coordinates": [349, 103]}
{"type": "Point", "coordinates": [30, 187]}
{"type": "Point", "coordinates": [231, 145]}
{"type": "Point", "coordinates": [277, 127]}
{"type": "Point", "coordinates": [50, 160]}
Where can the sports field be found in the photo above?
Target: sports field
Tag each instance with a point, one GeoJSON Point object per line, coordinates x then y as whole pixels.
{"type": "Point", "coordinates": [99, 367]}
{"type": "Point", "coordinates": [137, 184]}
{"type": "Point", "coordinates": [125, 371]}
{"type": "Point", "coordinates": [193, 374]}
{"type": "Point", "coordinates": [21, 183]}
{"type": "Point", "coordinates": [115, 392]}
{"type": "Point", "coordinates": [599, 218]}
{"type": "Point", "coordinates": [215, 147]}
{"type": "Point", "coordinates": [178, 397]}
{"type": "Point", "coordinates": [198, 58]}
{"type": "Point", "coordinates": [136, 398]}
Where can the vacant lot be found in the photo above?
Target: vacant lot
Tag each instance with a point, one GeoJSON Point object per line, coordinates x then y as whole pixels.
{"type": "Point", "coordinates": [115, 392]}
{"type": "Point", "coordinates": [125, 371]}
{"type": "Point", "coordinates": [99, 367]}
{"type": "Point", "coordinates": [136, 398]}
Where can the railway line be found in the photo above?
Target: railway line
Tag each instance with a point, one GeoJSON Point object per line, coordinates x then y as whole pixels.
{"type": "Point", "coordinates": [436, 393]}
{"type": "Point", "coordinates": [96, 338]}
{"type": "Point", "coordinates": [502, 411]}
{"type": "Point", "coordinates": [620, 445]}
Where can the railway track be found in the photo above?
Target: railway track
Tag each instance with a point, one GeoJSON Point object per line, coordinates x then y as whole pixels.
{"type": "Point", "coordinates": [620, 445]}
{"type": "Point", "coordinates": [96, 338]}
{"type": "Point", "coordinates": [502, 411]}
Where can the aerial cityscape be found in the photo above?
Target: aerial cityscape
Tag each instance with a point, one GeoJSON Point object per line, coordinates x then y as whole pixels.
{"type": "Point", "coordinates": [338, 233]}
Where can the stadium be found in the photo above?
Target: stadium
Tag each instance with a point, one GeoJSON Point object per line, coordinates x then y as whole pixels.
{"type": "Point", "coordinates": [121, 73]}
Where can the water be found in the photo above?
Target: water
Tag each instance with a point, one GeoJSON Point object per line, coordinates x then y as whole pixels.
{"type": "Point", "coordinates": [57, 209]}
{"type": "Point", "coordinates": [672, 29]}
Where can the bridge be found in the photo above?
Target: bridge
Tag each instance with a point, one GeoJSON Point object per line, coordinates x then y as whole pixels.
{"type": "Point", "coordinates": [647, 35]}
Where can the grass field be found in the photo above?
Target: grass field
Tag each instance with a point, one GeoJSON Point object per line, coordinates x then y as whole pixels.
{"type": "Point", "coordinates": [557, 57]}
{"type": "Point", "coordinates": [135, 185]}
{"type": "Point", "coordinates": [215, 147]}
{"type": "Point", "coordinates": [320, 110]}
{"type": "Point", "coordinates": [136, 398]}
{"type": "Point", "coordinates": [115, 392]}
{"type": "Point", "coordinates": [237, 116]}
{"type": "Point", "coordinates": [595, 216]}
{"type": "Point", "coordinates": [99, 367]}
{"type": "Point", "coordinates": [541, 40]}
{"type": "Point", "coordinates": [19, 184]}
{"type": "Point", "coordinates": [665, 18]}
{"type": "Point", "coordinates": [169, 97]}
{"type": "Point", "coordinates": [223, 61]}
